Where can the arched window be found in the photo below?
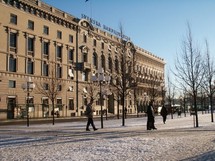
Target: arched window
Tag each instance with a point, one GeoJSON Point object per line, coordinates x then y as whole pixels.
{"type": "Point", "coordinates": [95, 60]}
{"type": "Point", "coordinates": [84, 57]}
{"type": "Point", "coordinates": [116, 65]}
{"type": "Point", "coordinates": [103, 61]}
{"type": "Point", "coordinates": [110, 64]}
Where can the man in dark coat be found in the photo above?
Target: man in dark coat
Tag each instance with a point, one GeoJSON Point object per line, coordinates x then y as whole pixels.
{"type": "Point", "coordinates": [89, 114]}
{"type": "Point", "coordinates": [150, 116]}
{"type": "Point", "coordinates": [164, 113]}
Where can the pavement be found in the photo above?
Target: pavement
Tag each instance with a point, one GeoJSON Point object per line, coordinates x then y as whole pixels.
{"type": "Point", "coordinates": [33, 121]}
{"type": "Point", "coordinates": [177, 140]}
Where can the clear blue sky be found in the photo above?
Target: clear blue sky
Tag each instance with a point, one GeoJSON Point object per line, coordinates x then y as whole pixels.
{"type": "Point", "coordinates": [158, 26]}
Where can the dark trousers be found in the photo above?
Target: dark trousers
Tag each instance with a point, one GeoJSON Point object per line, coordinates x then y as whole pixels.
{"type": "Point", "coordinates": [164, 118]}
{"type": "Point", "coordinates": [90, 121]}
{"type": "Point", "coordinates": [150, 124]}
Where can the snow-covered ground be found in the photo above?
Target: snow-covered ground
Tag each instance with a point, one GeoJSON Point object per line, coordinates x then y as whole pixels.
{"type": "Point", "coordinates": [175, 140]}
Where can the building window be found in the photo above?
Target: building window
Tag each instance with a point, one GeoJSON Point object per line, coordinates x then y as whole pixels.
{"type": "Point", "coordinates": [45, 106]}
{"type": "Point", "coordinates": [12, 64]}
{"type": "Point", "coordinates": [46, 48]}
{"type": "Point", "coordinates": [103, 45]}
{"type": "Point", "coordinates": [71, 104]}
{"type": "Point", "coordinates": [110, 64]}
{"type": "Point", "coordinates": [13, 19]}
{"type": "Point", "coordinates": [46, 30]}
{"type": "Point", "coordinates": [84, 57]}
{"type": "Point", "coordinates": [30, 25]}
{"type": "Point", "coordinates": [84, 38]}
{"type": "Point", "coordinates": [59, 34]}
{"type": "Point", "coordinates": [31, 102]}
{"type": "Point", "coordinates": [45, 69]}
{"type": "Point", "coordinates": [84, 76]}
{"type": "Point", "coordinates": [71, 55]}
{"type": "Point", "coordinates": [70, 38]}
{"type": "Point", "coordinates": [103, 61]}
{"type": "Point", "coordinates": [59, 71]}
{"type": "Point", "coordinates": [85, 101]}
{"type": "Point", "coordinates": [45, 86]}
{"type": "Point", "coordinates": [59, 104]}
{"type": "Point", "coordinates": [94, 42]}
{"type": "Point", "coordinates": [13, 40]}
{"type": "Point", "coordinates": [59, 87]}
{"type": "Point", "coordinates": [30, 44]}
{"type": "Point", "coordinates": [70, 73]}
{"type": "Point", "coordinates": [30, 66]}
{"type": "Point", "coordinates": [116, 66]}
{"type": "Point", "coordinates": [95, 60]}
{"type": "Point", "coordinates": [12, 84]}
{"type": "Point", "coordinates": [59, 52]}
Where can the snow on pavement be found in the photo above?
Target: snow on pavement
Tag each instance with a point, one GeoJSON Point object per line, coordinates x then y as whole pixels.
{"type": "Point", "coordinates": [175, 140]}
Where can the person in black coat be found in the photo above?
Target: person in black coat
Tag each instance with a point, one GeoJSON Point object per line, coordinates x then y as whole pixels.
{"type": "Point", "coordinates": [150, 116]}
{"type": "Point", "coordinates": [89, 114]}
{"type": "Point", "coordinates": [164, 113]}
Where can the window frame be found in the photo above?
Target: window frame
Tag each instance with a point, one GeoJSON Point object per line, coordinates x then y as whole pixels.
{"type": "Point", "coordinates": [30, 44]}
{"type": "Point", "coordinates": [59, 34]}
{"type": "Point", "coordinates": [30, 24]}
{"type": "Point", "coordinates": [71, 39]}
{"type": "Point", "coordinates": [12, 64]}
{"type": "Point", "coordinates": [13, 40]}
{"type": "Point", "coordinates": [30, 66]}
{"type": "Point", "coordinates": [13, 19]}
{"type": "Point", "coordinates": [12, 84]}
{"type": "Point", "coordinates": [45, 48]}
{"type": "Point", "coordinates": [45, 30]}
{"type": "Point", "coordinates": [45, 69]}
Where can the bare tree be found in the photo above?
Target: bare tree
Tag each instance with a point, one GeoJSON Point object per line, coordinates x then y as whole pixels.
{"type": "Point", "coordinates": [209, 78]}
{"type": "Point", "coordinates": [189, 68]}
{"type": "Point", "coordinates": [153, 90]}
{"type": "Point", "coordinates": [92, 91]}
{"type": "Point", "coordinates": [124, 79]}
{"type": "Point", "coordinates": [170, 94]}
{"type": "Point", "coordinates": [50, 87]}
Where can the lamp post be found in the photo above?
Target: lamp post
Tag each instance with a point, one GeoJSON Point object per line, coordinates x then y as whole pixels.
{"type": "Point", "coordinates": [100, 78]}
{"type": "Point", "coordinates": [28, 87]}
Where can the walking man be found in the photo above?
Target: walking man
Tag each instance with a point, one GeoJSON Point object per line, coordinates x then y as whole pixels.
{"type": "Point", "coordinates": [164, 113]}
{"type": "Point", "coordinates": [89, 114]}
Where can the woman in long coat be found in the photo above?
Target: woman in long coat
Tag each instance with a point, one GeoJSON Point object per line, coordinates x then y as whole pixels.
{"type": "Point", "coordinates": [150, 116]}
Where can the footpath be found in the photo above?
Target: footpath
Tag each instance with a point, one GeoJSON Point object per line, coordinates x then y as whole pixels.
{"type": "Point", "coordinates": [33, 121]}
{"type": "Point", "coordinates": [177, 140]}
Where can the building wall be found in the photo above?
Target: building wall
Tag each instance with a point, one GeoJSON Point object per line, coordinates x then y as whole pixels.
{"type": "Point", "coordinates": [56, 20]}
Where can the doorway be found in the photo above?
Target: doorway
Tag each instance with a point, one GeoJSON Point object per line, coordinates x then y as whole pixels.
{"type": "Point", "coordinates": [11, 104]}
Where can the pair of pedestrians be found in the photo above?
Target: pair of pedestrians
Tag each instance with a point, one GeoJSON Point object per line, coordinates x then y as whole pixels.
{"type": "Point", "coordinates": [151, 115]}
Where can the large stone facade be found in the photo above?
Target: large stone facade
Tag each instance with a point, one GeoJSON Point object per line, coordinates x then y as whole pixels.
{"type": "Point", "coordinates": [38, 40]}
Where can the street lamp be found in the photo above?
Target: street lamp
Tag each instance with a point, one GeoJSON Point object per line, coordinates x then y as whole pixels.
{"type": "Point", "coordinates": [101, 78]}
{"type": "Point", "coordinates": [28, 87]}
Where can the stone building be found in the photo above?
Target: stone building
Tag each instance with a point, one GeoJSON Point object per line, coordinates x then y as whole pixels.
{"type": "Point", "coordinates": [54, 49]}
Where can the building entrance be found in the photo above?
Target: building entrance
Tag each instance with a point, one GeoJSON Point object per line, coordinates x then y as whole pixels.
{"type": "Point", "coordinates": [11, 105]}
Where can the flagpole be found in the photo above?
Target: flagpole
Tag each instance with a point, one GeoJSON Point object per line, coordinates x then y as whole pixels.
{"type": "Point", "coordinates": [91, 10]}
